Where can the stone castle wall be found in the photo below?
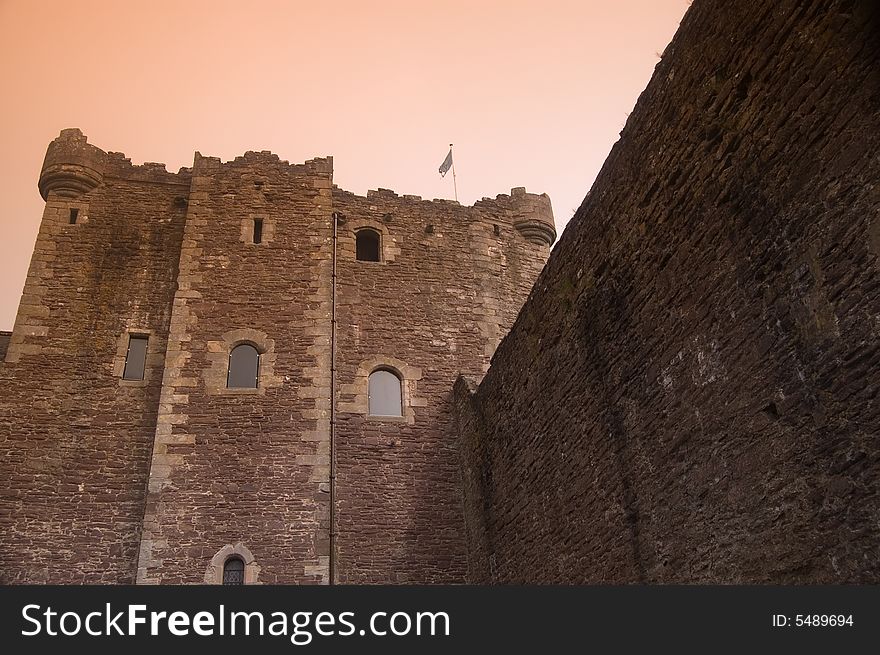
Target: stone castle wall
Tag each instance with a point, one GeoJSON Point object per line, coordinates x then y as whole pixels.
{"type": "Point", "coordinates": [239, 465]}
{"type": "Point", "coordinates": [690, 393]}
{"type": "Point", "coordinates": [75, 439]}
{"type": "Point", "coordinates": [159, 481]}
{"type": "Point", "coordinates": [437, 306]}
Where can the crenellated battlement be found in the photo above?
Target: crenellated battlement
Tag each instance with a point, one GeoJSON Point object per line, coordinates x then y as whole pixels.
{"type": "Point", "coordinates": [73, 166]}
{"type": "Point", "coordinates": [120, 166]}
{"type": "Point", "coordinates": [264, 161]}
{"type": "Point", "coordinates": [531, 214]}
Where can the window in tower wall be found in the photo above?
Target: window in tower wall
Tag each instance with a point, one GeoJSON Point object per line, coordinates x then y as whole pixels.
{"type": "Point", "coordinates": [385, 393]}
{"type": "Point", "coordinates": [258, 230]}
{"type": "Point", "coordinates": [244, 367]}
{"type": "Point", "coordinates": [367, 245]}
{"type": "Point", "coordinates": [135, 358]}
{"type": "Point", "coordinates": [233, 571]}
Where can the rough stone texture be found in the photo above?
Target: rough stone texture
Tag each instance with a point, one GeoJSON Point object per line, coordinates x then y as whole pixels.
{"type": "Point", "coordinates": [234, 465]}
{"type": "Point", "coordinates": [4, 343]}
{"type": "Point", "coordinates": [691, 392]}
{"type": "Point", "coordinates": [160, 480]}
{"type": "Point", "coordinates": [438, 309]}
{"type": "Point", "coordinates": [75, 440]}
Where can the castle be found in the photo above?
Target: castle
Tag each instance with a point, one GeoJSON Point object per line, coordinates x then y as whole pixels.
{"type": "Point", "coordinates": [243, 373]}
{"type": "Point", "coordinates": [241, 362]}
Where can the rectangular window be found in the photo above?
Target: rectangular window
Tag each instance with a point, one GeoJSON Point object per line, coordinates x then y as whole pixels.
{"type": "Point", "coordinates": [135, 358]}
{"type": "Point", "coordinates": [74, 212]}
{"type": "Point", "coordinates": [258, 230]}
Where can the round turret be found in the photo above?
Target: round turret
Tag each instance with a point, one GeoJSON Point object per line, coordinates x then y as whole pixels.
{"type": "Point", "coordinates": [72, 166]}
{"type": "Point", "coordinates": [533, 216]}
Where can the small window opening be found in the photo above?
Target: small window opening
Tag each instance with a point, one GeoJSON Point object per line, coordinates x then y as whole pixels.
{"type": "Point", "coordinates": [74, 213]}
{"type": "Point", "coordinates": [233, 571]}
{"type": "Point", "coordinates": [135, 358]}
{"type": "Point", "coordinates": [367, 246]}
{"type": "Point", "coordinates": [244, 367]}
{"type": "Point", "coordinates": [258, 230]}
{"type": "Point", "coordinates": [385, 394]}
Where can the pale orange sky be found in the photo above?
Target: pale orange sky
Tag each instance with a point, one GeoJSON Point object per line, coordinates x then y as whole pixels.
{"type": "Point", "coordinates": [532, 93]}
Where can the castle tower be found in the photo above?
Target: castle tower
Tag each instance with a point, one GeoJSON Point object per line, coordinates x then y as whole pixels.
{"type": "Point", "coordinates": [242, 470]}
{"type": "Point", "coordinates": [78, 435]}
{"type": "Point", "coordinates": [444, 291]}
{"type": "Point", "coordinates": [220, 286]}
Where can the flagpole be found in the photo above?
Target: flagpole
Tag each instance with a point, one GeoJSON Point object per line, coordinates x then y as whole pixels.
{"type": "Point", "coordinates": [454, 184]}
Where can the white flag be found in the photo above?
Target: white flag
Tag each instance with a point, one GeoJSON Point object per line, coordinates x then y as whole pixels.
{"type": "Point", "coordinates": [446, 165]}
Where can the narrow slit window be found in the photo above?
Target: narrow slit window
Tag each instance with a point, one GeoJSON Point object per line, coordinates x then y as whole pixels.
{"type": "Point", "coordinates": [386, 398]}
{"type": "Point", "coordinates": [74, 214]}
{"type": "Point", "coordinates": [244, 367]}
{"type": "Point", "coordinates": [233, 571]}
{"type": "Point", "coordinates": [135, 358]}
{"type": "Point", "coordinates": [367, 246]}
{"type": "Point", "coordinates": [258, 230]}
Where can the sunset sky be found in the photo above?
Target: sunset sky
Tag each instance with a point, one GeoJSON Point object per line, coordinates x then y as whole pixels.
{"type": "Point", "coordinates": [532, 93]}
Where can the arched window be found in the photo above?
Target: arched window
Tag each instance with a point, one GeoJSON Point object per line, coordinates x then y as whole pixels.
{"type": "Point", "coordinates": [385, 394]}
{"type": "Point", "coordinates": [233, 571]}
{"type": "Point", "coordinates": [244, 367]}
{"type": "Point", "coordinates": [367, 245]}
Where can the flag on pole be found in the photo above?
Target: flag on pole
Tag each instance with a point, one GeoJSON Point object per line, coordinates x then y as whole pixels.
{"type": "Point", "coordinates": [446, 165]}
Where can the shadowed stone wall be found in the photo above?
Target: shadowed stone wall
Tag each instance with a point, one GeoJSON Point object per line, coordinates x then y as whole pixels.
{"type": "Point", "coordinates": [691, 392]}
{"type": "Point", "coordinates": [446, 292]}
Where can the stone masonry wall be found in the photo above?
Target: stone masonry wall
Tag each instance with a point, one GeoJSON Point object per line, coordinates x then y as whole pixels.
{"type": "Point", "coordinates": [75, 440]}
{"type": "Point", "coordinates": [690, 394]}
{"type": "Point", "coordinates": [161, 480]}
{"type": "Point", "coordinates": [246, 470]}
{"type": "Point", "coordinates": [436, 306]}
{"type": "Point", "coordinates": [4, 343]}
